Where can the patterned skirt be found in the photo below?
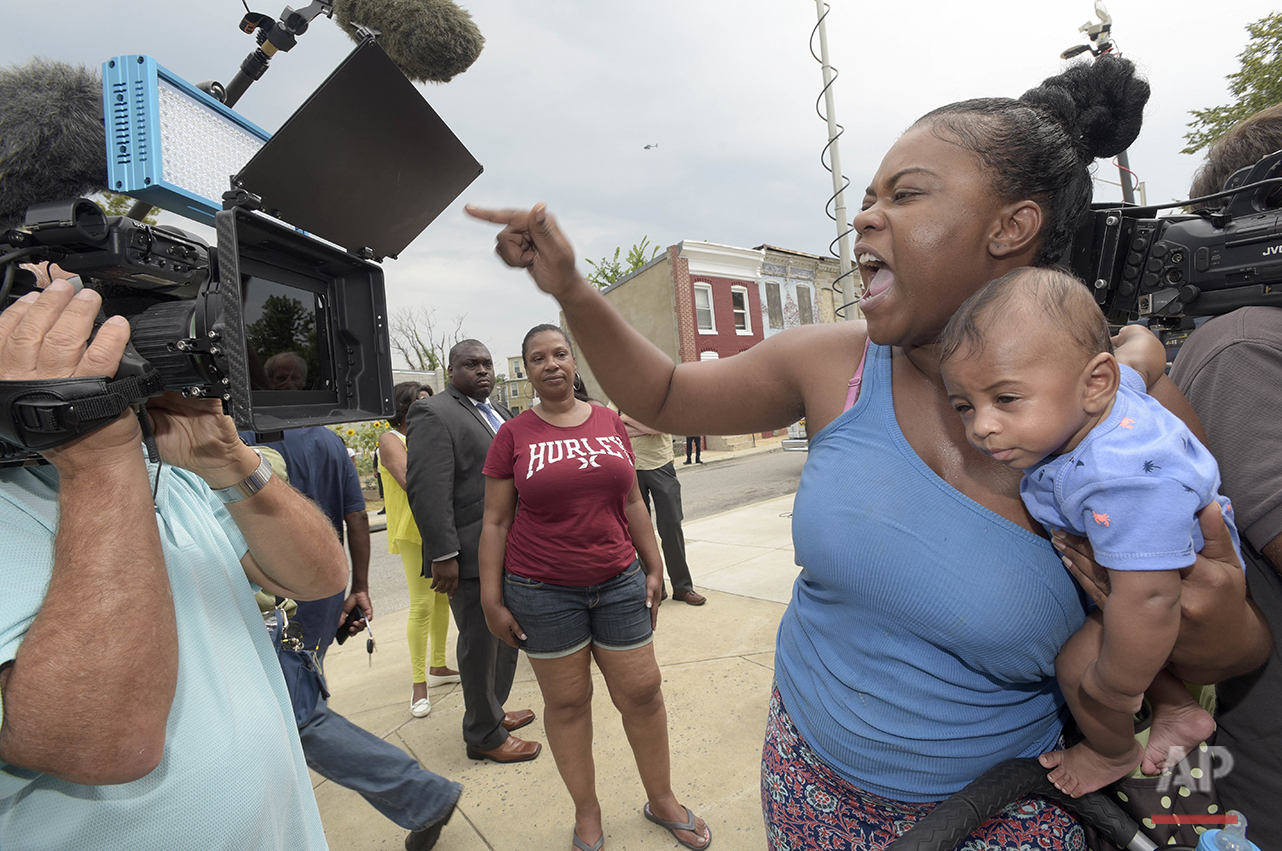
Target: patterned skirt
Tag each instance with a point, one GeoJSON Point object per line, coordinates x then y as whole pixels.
{"type": "Point", "coordinates": [807, 806]}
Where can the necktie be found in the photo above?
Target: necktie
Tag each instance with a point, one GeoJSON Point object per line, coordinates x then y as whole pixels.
{"type": "Point", "coordinates": [490, 415]}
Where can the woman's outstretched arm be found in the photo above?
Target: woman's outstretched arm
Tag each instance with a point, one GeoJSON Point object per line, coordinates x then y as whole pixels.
{"type": "Point", "coordinates": [760, 389]}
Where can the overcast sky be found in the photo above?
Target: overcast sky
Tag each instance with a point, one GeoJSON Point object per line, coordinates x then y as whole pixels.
{"type": "Point", "coordinates": [567, 93]}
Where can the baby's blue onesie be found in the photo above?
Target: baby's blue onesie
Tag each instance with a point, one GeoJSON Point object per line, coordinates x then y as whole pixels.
{"type": "Point", "coordinates": [1133, 486]}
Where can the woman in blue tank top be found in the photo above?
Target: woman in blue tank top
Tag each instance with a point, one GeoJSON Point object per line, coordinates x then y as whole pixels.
{"type": "Point", "coordinates": [918, 649]}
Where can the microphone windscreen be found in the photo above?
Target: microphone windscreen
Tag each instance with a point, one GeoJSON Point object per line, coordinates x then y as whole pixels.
{"type": "Point", "coordinates": [52, 142]}
{"type": "Point", "coordinates": [429, 40]}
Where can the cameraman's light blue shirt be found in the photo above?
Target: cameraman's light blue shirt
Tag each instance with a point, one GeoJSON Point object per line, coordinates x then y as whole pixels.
{"type": "Point", "coordinates": [232, 775]}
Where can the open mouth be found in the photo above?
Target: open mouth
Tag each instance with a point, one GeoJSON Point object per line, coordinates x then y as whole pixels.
{"type": "Point", "coordinates": [876, 275]}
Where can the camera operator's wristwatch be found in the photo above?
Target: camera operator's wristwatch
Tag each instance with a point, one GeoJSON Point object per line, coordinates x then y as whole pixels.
{"type": "Point", "coordinates": [249, 485]}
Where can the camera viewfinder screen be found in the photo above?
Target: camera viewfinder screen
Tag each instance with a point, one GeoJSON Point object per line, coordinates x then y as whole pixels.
{"type": "Point", "coordinates": [287, 342]}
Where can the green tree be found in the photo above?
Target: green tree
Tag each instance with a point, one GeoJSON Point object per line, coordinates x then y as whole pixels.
{"type": "Point", "coordinates": [1256, 85]}
{"type": "Point", "coordinates": [115, 204]}
{"type": "Point", "coordinates": [611, 270]}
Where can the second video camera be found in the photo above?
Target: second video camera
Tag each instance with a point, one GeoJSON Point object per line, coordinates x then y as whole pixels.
{"type": "Point", "coordinates": [1205, 264]}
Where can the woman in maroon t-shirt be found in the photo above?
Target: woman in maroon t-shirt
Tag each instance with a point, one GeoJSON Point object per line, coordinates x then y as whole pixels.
{"type": "Point", "coordinates": [563, 579]}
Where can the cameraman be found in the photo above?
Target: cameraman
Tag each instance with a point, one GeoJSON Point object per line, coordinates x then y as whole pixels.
{"type": "Point", "coordinates": [140, 698]}
{"type": "Point", "coordinates": [1231, 371]}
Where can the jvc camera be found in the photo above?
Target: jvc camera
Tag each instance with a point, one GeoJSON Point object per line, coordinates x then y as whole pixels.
{"type": "Point", "coordinates": [282, 327]}
{"type": "Point", "coordinates": [1206, 264]}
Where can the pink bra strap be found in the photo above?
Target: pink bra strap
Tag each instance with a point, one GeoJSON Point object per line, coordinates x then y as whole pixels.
{"type": "Point", "coordinates": [852, 395]}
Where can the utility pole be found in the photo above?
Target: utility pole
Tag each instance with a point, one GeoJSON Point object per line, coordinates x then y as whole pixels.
{"type": "Point", "coordinates": [849, 292]}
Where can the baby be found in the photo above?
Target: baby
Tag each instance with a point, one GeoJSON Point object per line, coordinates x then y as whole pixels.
{"type": "Point", "coordinates": [1029, 365]}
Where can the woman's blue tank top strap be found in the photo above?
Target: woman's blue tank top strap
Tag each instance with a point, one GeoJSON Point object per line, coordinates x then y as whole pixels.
{"type": "Point", "coordinates": [919, 646]}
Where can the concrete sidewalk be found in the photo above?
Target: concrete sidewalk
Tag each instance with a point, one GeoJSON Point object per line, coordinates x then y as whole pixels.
{"type": "Point", "coordinates": [717, 662]}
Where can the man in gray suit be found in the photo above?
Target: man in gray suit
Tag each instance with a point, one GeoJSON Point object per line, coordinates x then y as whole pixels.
{"type": "Point", "coordinates": [447, 437]}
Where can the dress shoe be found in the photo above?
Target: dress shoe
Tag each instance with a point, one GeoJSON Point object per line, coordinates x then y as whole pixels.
{"type": "Point", "coordinates": [518, 719]}
{"type": "Point", "coordinates": [691, 597]}
{"type": "Point", "coordinates": [512, 750]}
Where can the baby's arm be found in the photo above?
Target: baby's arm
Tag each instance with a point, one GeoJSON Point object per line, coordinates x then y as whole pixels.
{"type": "Point", "coordinates": [1141, 621]}
{"type": "Point", "coordinates": [1139, 348]}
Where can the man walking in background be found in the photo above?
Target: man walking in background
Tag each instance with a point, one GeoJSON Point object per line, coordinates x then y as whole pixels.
{"type": "Point", "coordinates": [657, 479]}
{"type": "Point", "coordinates": [447, 438]}
{"type": "Point", "coordinates": [387, 777]}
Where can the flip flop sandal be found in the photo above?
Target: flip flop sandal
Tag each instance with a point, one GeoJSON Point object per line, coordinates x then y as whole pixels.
{"type": "Point", "coordinates": [583, 846]}
{"type": "Point", "coordinates": [674, 826]}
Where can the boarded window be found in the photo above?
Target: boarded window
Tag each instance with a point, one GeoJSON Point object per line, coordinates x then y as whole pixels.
{"type": "Point", "coordinates": [774, 305]}
{"type": "Point", "coordinates": [804, 306]}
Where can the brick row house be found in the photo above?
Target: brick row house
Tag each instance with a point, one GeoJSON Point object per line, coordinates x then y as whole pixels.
{"type": "Point", "coordinates": [705, 301]}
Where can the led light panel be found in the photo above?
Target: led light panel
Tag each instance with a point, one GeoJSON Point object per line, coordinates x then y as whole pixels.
{"type": "Point", "coordinates": [169, 143]}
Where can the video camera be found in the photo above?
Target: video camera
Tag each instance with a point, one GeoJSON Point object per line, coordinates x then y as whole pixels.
{"type": "Point", "coordinates": [1205, 264]}
{"type": "Point", "coordinates": [285, 320]}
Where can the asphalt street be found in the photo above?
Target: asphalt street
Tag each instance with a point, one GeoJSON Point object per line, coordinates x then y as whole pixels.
{"type": "Point", "coordinates": [705, 490]}
{"type": "Point", "coordinates": [735, 482]}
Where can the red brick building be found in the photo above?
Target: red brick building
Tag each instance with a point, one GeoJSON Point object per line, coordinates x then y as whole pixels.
{"type": "Point", "coordinates": [704, 301]}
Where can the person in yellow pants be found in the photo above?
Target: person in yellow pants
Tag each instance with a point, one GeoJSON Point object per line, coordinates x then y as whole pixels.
{"type": "Point", "coordinates": [429, 611]}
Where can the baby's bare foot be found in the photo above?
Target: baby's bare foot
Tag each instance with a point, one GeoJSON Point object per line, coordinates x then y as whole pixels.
{"type": "Point", "coordinates": [1176, 730]}
{"type": "Point", "coordinates": [1080, 769]}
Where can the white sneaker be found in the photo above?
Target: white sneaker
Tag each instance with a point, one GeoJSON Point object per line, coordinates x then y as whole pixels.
{"type": "Point", "coordinates": [421, 708]}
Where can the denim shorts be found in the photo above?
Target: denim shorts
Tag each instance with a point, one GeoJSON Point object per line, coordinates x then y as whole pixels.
{"type": "Point", "coordinates": [559, 619]}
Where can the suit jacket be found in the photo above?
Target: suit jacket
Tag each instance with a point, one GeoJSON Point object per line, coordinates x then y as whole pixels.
{"type": "Point", "coordinates": [446, 442]}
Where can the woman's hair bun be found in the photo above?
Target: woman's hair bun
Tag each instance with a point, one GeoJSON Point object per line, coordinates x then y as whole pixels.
{"type": "Point", "coordinates": [1100, 102]}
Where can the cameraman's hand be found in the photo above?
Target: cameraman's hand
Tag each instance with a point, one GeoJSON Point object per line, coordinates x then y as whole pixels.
{"type": "Point", "coordinates": [196, 435]}
{"type": "Point", "coordinates": [47, 335]}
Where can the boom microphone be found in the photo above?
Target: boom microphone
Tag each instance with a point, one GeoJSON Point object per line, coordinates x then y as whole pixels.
{"type": "Point", "coordinates": [429, 40]}
{"type": "Point", "coordinates": [52, 142]}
